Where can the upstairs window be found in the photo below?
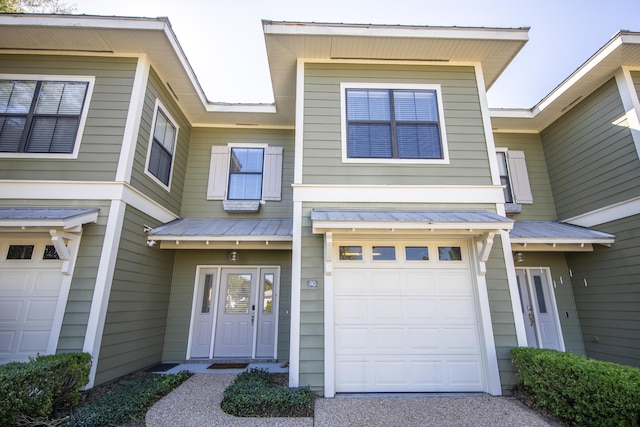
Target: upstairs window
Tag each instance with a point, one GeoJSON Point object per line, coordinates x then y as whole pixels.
{"type": "Point", "coordinates": [512, 168]}
{"type": "Point", "coordinates": [162, 146]}
{"type": "Point", "coordinates": [41, 116]}
{"type": "Point", "coordinates": [245, 174]}
{"type": "Point", "coordinates": [394, 123]}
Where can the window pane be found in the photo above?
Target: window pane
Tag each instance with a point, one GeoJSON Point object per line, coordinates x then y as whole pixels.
{"type": "Point", "coordinates": [11, 129]}
{"type": "Point", "coordinates": [164, 132]}
{"type": "Point", "coordinates": [6, 87]}
{"type": "Point", "coordinates": [449, 253]}
{"type": "Point", "coordinates": [368, 105]}
{"type": "Point", "coordinates": [384, 253]}
{"type": "Point", "coordinates": [350, 253]}
{"type": "Point", "coordinates": [245, 187]}
{"type": "Point", "coordinates": [418, 142]}
{"type": "Point", "coordinates": [20, 252]}
{"type": "Point", "coordinates": [238, 293]}
{"type": "Point", "coordinates": [542, 304]}
{"type": "Point", "coordinates": [73, 98]}
{"type": "Point", "coordinates": [49, 98]}
{"type": "Point", "coordinates": [207, 293]}
{"type": "Point", "coordinates": [160, 163]}
{"type": "Point", "coordinates": [21, 97]}
{"type": "Point", "coordinates": [366, 141]}
{"type": "Point", "coordinates": [267, 296]}
{"type": "Point", "coordinates": [41, 135]}
{"type": "Point", "coordinates": [416, 253]}
{"type": "Point", "coordinates": [247, 160]}
{"type": "Point", "coordinates": [50, 252]}
{"type": "Point", "coordinates": [415, 105]}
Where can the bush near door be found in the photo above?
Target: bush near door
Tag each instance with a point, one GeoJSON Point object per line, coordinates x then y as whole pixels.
{"type": "Point", "coordinates": [577, 389]}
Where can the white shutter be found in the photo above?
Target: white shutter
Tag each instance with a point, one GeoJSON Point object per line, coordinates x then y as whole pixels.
{"type": "Point", "coordinates": [218, 173]}
{"type": "Point", "coordinates": [272, 174]}
{"type": "Point", "coordinates": [519, 177]}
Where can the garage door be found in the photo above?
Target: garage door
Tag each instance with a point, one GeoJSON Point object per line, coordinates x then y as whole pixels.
{"type": "Point", "coordinates": [30, 279]}
{"type": "Point", "coordinates": [405, 319]}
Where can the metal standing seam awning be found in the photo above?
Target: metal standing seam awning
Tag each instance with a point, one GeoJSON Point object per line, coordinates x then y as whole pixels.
{"type": "Point", "coordinates": [556, 236]}
{"type": "Point", "coordinates": [223, 233]}
{"type": "Point", "coordinates": [64, 225]}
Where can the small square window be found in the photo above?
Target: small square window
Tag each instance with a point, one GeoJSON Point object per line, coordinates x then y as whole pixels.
{"type": "Point", "coordinates": [20, 252]}
{"type": "Point", "coordinates": [416, 253]}
{"type": "Point", "coordinates": [384, 253]}
{"type": "Point", "coordinates": [351, 253]}
{"type": "Point", "coordinates": [50, 252]}
{"type": "Point", "coordinates": [449, 253]}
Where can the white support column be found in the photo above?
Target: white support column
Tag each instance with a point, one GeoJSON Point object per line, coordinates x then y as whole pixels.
{"type": "Point", "coordinates": [296, 278]}
{"type": "Point", "coordinates": [329, 337]}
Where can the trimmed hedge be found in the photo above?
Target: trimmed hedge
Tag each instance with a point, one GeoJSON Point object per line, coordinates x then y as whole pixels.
{"type": "Point", "coordinates": [127, 401]}
{"type": "Point", "coordinates": [38, 388]}
{"type": "Point", "coordinates": [251, 395]}
{"type": "Point", "coordinates": [580, 390]}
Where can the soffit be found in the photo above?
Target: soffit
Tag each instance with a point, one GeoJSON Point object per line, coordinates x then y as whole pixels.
{"type": "Point", "coordinates": [623, 50]}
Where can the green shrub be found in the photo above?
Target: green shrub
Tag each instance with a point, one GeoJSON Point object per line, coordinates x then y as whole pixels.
{"type": "Point", "coordinates": [580, 390]}
{"type": "Point", "coordinates": [126, 401]}
{"type": "Point", "coordinates": [251, 395]}
{"type": "Point", "coordinates": [43, 385]}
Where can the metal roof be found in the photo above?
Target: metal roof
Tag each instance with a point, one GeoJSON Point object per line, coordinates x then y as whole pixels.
{"type": "Point", "coordinates": [225, 229]}
{"type": "Point", "coordinates": [556, 232]}
{"type": "Point", "coordinates": [46, 217]}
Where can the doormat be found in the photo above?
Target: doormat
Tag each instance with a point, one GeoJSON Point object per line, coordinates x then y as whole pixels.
{"type": "Point", "coordinates": [228, 366]}
{"type": "Point", "coordinates": [161, 367]}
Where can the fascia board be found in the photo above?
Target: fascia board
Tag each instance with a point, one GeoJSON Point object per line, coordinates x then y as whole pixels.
{"type": "Point", "coordinates": [470, 227]}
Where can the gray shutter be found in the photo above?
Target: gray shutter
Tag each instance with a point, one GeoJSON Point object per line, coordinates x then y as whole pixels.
{"type": "Point", "coordinates": [519, 177]}
{"type": "Point", "coordinates": [218, 173]}
{"type": "Point", "coordinates": [272, 174]}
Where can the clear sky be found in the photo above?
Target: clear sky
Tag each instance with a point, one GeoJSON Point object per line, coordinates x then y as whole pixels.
{"type": "Point", "coordinates": [224, 43]}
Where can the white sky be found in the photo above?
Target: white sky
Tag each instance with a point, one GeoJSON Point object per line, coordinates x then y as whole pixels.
{"type": "Point", "coordinates": [224, 43]}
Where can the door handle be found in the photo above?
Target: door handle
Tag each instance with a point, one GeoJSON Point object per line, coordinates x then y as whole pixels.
{"type": "Point", "coordinates": [531, 318]}
{"type": "Point", "coordinates": [253, 313]}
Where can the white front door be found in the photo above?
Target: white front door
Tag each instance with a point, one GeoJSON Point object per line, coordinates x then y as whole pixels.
{"type": "Point", "coordinates": [30, 281]}
{"type": "Point", "coordinates": [539, 308]}
{"type": "Point", "coordinates": [235, 313]}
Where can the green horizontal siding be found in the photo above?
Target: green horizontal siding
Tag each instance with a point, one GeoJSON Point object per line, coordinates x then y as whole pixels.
{"type": "Point", "coordinates": [182, 288]}
{"type": "Point", "coordinates": [171, 200]}
{"type": "Point", "coordinates": [609, 304]}
{"type": "Point", "coordinates": [543, 207]}
{"type": "Point", "coordinates": [195, 203]}
{"type": "Point", "coordinates": [591, 156]}
{"type": "Point", "coordinates": [104, 129]}
{"type": "Point", "coordinates": [135, 324]}
{"type": "Point", "coordinates": [463, 124]}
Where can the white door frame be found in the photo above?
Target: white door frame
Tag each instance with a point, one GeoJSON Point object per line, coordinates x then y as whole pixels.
{"type": "Point", "coordinates": [260, 270]}
{"type": "Point", "coordinates": [546, 272]}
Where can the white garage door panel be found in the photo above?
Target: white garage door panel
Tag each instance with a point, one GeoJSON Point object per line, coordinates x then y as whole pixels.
{"type": "Point", "coordinates": [399, 328]}
{"type": "Point", "coordinates": [29, 291]}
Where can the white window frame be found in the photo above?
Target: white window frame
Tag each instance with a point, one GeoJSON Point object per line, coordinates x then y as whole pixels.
{"type": "Point", "coordinates": [391, 86]}
{"type": "Point", "coordinates": [211, 184]}
{"type": "Point", "coordinates": [160, 106]}
{"type": "Point", "coordinates": [90, 80]}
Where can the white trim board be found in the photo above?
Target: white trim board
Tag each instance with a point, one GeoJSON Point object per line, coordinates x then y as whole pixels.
{"type": "Point", "coordinates": [607, 214]}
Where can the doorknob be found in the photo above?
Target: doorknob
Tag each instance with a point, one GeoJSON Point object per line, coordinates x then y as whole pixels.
{"type": "Point", "coordinates": [531, 318]}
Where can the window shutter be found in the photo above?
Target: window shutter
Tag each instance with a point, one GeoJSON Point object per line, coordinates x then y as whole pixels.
{"type": "Point", "coordinates": [272, 174]}
{"type": "Point", "coordinates": [519, 177]}
{"type": "Point", "coordinates": [218, 173]}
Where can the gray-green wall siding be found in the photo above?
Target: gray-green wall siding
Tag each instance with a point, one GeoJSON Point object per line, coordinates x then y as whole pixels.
{"type": "Point", "coordinates": [543, 207]}
{"type": "Point", "coordinates": [102, 137]}
{"type": "Point", "coordinates": [195, 203]}
{"type": "Point", "coordinates": [171, 200]}
{"type": "Point", "coordinates": [136, 318]}
{"type": "Point", "coordinates": [183, 282]}
{"type": "Point", "coordinates": [591, 156]}
{"type": "Point", "coordinates": [312, 299]}
{"type": "Point", "coordinates": [463, 122]}
{"type": "Point", "coordinates": [609, 303]}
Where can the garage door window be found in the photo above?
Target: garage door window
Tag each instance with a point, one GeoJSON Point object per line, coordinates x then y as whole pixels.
{"type": "Point", "coordinates": [449, 253]}
{"type": "Point", "coordinates": [20, 252]}
{"type": "Point", "coordinates": [416, 253]}
{"type": "Point", "coordinates": [50, 252]}
{"type": "Point", "coordinates": [384, 253]}
{"type": "Point", "coordinates": [351, 253]}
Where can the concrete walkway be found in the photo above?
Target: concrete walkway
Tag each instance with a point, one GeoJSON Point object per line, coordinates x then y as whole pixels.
{"type": "Point", "coordinates": [197, 403]}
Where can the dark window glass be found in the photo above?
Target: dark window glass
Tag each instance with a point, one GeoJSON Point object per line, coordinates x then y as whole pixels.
{"type": "Point", "coordinates": [542, 304]}
{"type": "Point", "coordinates": [504, 176]}
{"type": "Point", "coordinates": [416, 253]}
{"type": "Point", "coordinates": [449, 253]}
{"type": "Point", "coordinates": [384, 253]}
{"type": "Point", "coordinates": [399, 124]}
{"type": "Point", "coordinates": [40, 116]}
{"type": "Point", "coordinates": [20, 252]}
{"type": "Point", "coordinates": [50, 252]}
{"type": "Point", "coordinates": [245, 174]}
{"type": "Point", "coordinates": [161, 157]}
